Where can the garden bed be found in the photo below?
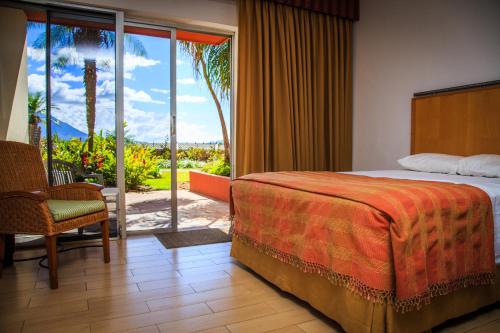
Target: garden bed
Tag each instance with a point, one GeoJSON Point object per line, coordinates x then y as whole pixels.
{"type": "Point", "coordinates": [213, 186]}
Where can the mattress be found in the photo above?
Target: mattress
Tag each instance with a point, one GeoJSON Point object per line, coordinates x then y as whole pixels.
{"type": "Point", "coordinates": [489, 185]}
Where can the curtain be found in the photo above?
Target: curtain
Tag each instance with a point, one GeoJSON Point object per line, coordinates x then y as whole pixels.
{"type": "Point", "coordinates": [294, 93]}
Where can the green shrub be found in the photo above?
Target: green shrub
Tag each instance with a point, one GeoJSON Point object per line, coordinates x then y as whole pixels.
{"type": "Point", "coordinates": [164, 164]}
{"type": "Point", "coordinates": [189, 164]}
{"type": "Point", "coordinates": [141, 163]}
{"type": "Point", "coordinates": [198, 154]}
{"type": "Point", "coordinates": [217, 167]}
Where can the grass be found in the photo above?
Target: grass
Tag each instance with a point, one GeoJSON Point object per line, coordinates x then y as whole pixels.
{"type": "Point", "coordinates": [164, 182]}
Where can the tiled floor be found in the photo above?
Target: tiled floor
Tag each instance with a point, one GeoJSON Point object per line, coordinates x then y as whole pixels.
{"type": "Point", "coordinates": [147, 288]}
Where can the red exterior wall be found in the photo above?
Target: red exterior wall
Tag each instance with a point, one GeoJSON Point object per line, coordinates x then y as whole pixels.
{"type": "Point", "coordinates": [213, 186]}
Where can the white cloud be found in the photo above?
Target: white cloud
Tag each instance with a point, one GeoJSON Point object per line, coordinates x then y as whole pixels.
{"type": "Point", "coordinates": [40, 68]}
{"type": "Point", "coordinates": [186, 81]}
{"type": "Point", "coordinates": [106, 88]}
{"type": "Point", "coordinates": [68, 77]}
{"type": "Point", "coordinates": [139, 96]}
{"type": "Point", "coordinates": [36, 82]}
{"type": "Point", "coordinates": [36, 54]}
{"type": "Point", "coordinates": [105, 75]}
{"type": "Point", "coordinates": [131, 62]}
{"type": "Point", "coordinates": [74, 114]}
{"type": "Point", "coordinates": [63, 92]}
{"type": "Point", "coordinates": [103, 57]}
{"type": "Point", "coordinates": [146, 126]}
{"type": "Point", "coordinates": [190, 132]}
{"type": "Point", "coordinates": [179, 62]}
{"type": "Point", "coordinates": [191, 99]}
{"type": "Point", "coordinates": [161, 91]}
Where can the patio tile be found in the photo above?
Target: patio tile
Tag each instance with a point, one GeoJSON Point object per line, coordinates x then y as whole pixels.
{"type": "Point", "coordinates": [151, 210]}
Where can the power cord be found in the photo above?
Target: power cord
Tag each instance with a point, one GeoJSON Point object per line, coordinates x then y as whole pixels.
{"type": "Point", "coordinates": [62, 249]}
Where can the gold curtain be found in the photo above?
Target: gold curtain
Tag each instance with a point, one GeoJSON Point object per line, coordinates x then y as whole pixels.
{"type": "Point", "coordinates": [294, 94]}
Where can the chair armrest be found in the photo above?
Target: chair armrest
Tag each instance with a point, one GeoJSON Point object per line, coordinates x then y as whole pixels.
{"type": "Point", "coordinates": [25, 212]}
{"type": "Point", "coordinates": [76, 191]}
{"type": "Point", "coordinates": [33, 195]}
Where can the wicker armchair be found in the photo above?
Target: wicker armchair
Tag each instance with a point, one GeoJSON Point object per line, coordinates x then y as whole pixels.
{"type": "Point", "coordinates": [28, 205]}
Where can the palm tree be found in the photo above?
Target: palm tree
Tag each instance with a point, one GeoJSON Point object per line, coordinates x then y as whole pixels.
{"type": "Point", "coordinates": [36, 109]}
{"type": "Point", "coordinates": [213, 62]}
{"type": "Point", "coordinates": [86, 41]}
{"type": "Point", "coordinates": [36, 115]}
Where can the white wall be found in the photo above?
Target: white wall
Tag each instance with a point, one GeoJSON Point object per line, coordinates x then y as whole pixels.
{"type": "Point", "coordinates": [221, 14]}
{"type": "Point", "coordinates": [406, 46]}
{"type": "Point", "coordinates": [13, 76]}
{"type": "Point", "coordinates": [18, 124]}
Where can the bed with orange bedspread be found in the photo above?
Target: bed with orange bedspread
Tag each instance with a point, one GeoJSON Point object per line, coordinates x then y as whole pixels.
{"type": "Point", "coordinates": [395, 242]}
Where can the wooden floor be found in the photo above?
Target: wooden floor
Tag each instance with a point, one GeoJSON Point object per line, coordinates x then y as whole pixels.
{"type": "Point", "coordinates": [147, 288]}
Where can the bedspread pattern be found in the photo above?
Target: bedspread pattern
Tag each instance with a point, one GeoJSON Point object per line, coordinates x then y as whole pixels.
{"type": "Point", "coordinates": [400, 241]}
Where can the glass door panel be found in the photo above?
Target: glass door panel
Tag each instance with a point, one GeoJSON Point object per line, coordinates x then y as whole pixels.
{"type": "Point", "coordinates": [147, 94]}
{"type": "Point", "coordinates": [81, 104]}
{"type": "Point", "coordinates": [36, 70]}
{"type": "Point", "coordinates": [203, 127]}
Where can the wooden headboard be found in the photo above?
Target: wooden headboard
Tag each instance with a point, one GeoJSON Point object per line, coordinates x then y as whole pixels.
{"type": "Point", "coordinates": [458, 121]}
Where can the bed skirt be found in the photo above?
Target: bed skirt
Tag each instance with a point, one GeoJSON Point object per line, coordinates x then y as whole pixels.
{"type": "Point", "coordinates": [356, 314]}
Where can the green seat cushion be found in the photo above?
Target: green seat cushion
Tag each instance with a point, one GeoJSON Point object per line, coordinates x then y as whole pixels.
{"type": "Point", "coordinates": [69, 209]}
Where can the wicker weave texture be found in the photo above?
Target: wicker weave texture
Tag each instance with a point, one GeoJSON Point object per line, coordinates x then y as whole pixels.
{"type": "Point", "coordinates": [24, 191]}
{"type": "Point", "coordinates": [21, 168]}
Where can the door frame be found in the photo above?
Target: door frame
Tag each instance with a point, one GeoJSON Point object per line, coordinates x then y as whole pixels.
{"type": "Point", "coordinates": [49, 6]}
{"type": "Point", "coordinates": [172, 130]}
{"type": "Point", "coordinates": [173, 111]}
{"type": "Point", "coordinates": [120, 21]}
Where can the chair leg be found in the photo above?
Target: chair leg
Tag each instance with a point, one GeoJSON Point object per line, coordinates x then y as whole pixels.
{"type": "Point", "coordinates": [105, 240]}
{"type": "Point", "coordinates": [7, 247]}
{"type": "Point", "coordinates": [2, 252]}
{"type": "Point", "coordinates": [51, 245]}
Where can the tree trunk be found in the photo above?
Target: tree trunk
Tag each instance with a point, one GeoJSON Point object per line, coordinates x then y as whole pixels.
{"type": "Point", "coordinates": [219, 111]}
{"type": "Point", "coordinates": [34, 134]}
{"type": "Point", "coordinates": [90, 82]}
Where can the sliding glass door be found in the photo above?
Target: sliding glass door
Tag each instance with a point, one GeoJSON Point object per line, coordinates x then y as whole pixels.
{"type": "Point", "coordinates": [203, 128]}
{"type": "Point", "coordinates": [148, 109]}
{"type": "Point", "coordinates": [105, 97]}
{"type": "Point", "coordinates": [72, 97]}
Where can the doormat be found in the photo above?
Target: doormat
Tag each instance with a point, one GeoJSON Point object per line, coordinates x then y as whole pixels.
{"type": "Point", "coordinates": [173, 240]}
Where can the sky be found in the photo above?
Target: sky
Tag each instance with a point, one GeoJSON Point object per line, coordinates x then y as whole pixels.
{"type": "Point", "coordinates": [147, 91]}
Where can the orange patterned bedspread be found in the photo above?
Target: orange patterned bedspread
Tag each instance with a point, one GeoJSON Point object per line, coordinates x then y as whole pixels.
{"type": "Point", "coordinates": [400, 241]}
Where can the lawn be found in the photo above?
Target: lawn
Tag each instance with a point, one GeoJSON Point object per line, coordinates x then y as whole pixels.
{"type": "Point", "coordinates": [164, 182]}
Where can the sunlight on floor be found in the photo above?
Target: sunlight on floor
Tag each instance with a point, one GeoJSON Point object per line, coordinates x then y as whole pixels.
{"type": "Point", "coordinates": [151, 210]}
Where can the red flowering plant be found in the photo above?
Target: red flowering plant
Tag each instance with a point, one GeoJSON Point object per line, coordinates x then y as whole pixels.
{"type": "Point", "coordinates": [140, 162]}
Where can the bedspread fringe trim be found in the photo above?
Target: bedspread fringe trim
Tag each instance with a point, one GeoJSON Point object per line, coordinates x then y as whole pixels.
{"type": "Point", "coordinates": [369, 293]}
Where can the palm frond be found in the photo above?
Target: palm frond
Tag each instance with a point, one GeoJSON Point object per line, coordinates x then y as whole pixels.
{"type": "Point", "coordinates": [61, 61]}
{"type": "Point", "coordinates": [194, 51]}
{"type": "Point", "coordinates": [218, 59]}
{"type": "Point", "coordinates": [136, 45]}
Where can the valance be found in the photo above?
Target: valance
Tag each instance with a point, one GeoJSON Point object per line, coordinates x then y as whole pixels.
{"type": "Point", "coordinates": [348, 9]}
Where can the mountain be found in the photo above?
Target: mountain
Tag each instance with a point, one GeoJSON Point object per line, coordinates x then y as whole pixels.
{"type": "Point", "coordinates": [64, 130]}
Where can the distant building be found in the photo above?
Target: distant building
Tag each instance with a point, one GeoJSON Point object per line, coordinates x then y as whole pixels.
{"type": "Point", "coordinates": [218, 145]}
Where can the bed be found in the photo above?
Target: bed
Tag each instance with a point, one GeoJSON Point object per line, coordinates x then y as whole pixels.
{"type": "Point", "coordinates": [384, 282]}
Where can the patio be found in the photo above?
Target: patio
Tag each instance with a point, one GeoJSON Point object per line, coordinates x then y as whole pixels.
{"type": "Point", "coordinates": [151, 210]}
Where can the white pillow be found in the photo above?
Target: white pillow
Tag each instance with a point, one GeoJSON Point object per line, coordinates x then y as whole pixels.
{"type": "Point", "coordinates": [440, 163]}
{"type": "Point", "coordinates": [485, 165]}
